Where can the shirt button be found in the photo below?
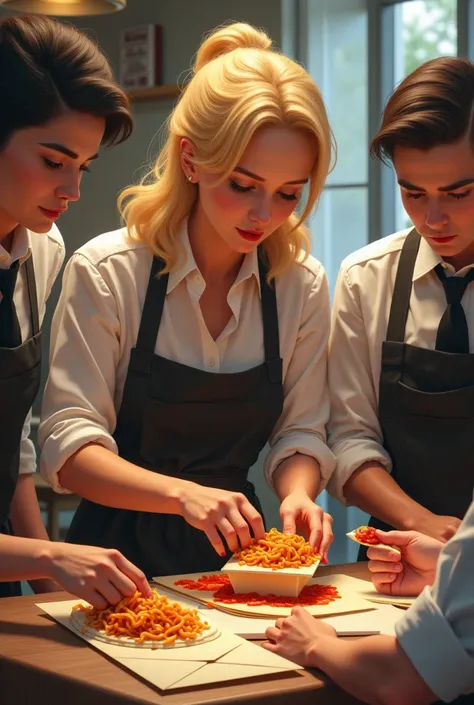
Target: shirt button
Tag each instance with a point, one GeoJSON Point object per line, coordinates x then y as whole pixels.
{"type": "Point", "coordinates": [198, 279]}
{"type": "Point", "coordinates": [211, 362]}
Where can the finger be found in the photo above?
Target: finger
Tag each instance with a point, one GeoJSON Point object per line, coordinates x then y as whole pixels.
{"type": "Point", "coordinates": [288, 520]}
{"type": "Point", "coordinates": [109, 592]}
{"type": "Point", "coordinates": [449, 532]}
{"type": "Point", "coordinates": [216, 541]}
{"type": "Point", "coordinates": [382, 567]}
{"type": "Point", "coordinates": [398, 538]}
{"type": "Point", "coordinates": [315, 528]}
{"type": "Point", "coordinates": [328, 536]}
{"type": "Point", "coordinates": [241, 528]}
{"type": "Point", "coordinates": [279, 622]}
{"type": "Point", "coordinates": [383, 582]}
{"type": "Point", "coordinates": [135, 575]}
{"type": "Point", "coordinates": [94, 598]}
{"type": "Point", "coordinates": [229, 534]}
{"type": "Point", "coordinates": [383, 553]}
{"type": "Point", "coordinates": [252, 517]}
{"type": "Point", "coordinates": [270, 646]}
{"type": "Point", "coordinates": [272, 634]}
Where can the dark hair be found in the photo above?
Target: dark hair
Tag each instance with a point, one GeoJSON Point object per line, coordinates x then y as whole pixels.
{"type": "Point", "coordinates": [432, 106]}
{"type": "Point", "coordinates": [46, 66]}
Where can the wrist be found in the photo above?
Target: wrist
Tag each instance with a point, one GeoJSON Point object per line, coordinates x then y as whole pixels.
{"type": "Point", "coordinates": [178, 493]}
{"type": "Point", "coordinates": [315, 654]}
{"type": "Point", "coordinates": [46, 556]}
{"type": "Point", "coordinates": [415, 519]}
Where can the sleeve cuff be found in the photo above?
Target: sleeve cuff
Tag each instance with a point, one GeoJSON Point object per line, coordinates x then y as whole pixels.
{"type": "Point", "coordinates": [350, 455]}
{"type": "Point", "coordinates": [56, 452]}
{"type": "Point", "coordinates": [306, 444]}
{"type": "Point", "coordinates": [27, 457]}
{"type": "Point", "coordinates": [434, 650]}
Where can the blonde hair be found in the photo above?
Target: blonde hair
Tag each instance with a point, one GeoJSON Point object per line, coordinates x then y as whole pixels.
{"type": "Point", "coordinates": [239, 85]}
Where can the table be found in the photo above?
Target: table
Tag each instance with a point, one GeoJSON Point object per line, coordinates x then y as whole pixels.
{"type": "Point", "coordinates": [45, 664]}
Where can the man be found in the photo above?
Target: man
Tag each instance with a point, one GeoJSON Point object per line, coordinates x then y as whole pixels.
{"type": "Point", "coordinates": [401, 368]}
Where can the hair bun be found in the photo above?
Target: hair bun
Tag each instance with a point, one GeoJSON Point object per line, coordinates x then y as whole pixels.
{"type": "Point", "coordinates": [233, 36]}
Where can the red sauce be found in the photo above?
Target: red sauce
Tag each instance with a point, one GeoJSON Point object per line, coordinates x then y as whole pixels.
{"type": "Point", "coordinates": [366, 534]}
{"type": "Point", "coordinates": [223, 592]}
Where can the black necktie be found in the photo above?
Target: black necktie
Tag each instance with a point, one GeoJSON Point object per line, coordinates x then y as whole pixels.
{"type": "Point", "coordinates": [10, 334]}
{"type": "Point", "coordinates": [453, 333]}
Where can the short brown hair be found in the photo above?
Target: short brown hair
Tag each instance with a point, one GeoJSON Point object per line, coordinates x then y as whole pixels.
{"type": "Point", "coordinates": [431, 106]}
{"type": "Point", "coordinates": [47, 65]}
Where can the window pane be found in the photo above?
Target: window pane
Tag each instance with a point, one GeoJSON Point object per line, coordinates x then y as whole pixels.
{"type": "Point", "coordinates": [339, 227]}
{"type": "Point", "coordinates": [424, 29]}
{"type": "Point", "coordinates": [337, 60]}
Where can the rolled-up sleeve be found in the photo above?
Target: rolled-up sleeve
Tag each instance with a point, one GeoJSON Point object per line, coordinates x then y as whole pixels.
{"type": "Point", "coordinates": [354, 433]}
{"type": "Point", "coordinates": [437, 632]}
{"type": "Point", "coordinates": [27, 449]}
{"type": "Point", "coordinates": [78, 403]}
{"type": "Point", "coordinates": [302, 424]}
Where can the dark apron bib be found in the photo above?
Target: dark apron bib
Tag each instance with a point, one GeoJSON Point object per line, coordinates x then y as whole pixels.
{"type": "Point", "coordinates": [426, 410]}
{"type": "Point", "coordinates": [184, 422]}
{"type": "Point", "coordinates": [20, 375]}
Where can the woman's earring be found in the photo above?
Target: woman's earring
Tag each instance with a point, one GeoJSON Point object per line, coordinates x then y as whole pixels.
{"type": "Point", "coordinates": [190, 178]}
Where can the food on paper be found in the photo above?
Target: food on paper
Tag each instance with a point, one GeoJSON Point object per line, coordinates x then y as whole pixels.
{"type": "Point", "coordinates": [152, 622]}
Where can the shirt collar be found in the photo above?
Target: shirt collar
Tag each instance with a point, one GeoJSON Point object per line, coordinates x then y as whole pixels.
{"type": "Point", "coordinates": [20, 250]}
{"type": "Point", "coordinates": [188, 265]}
{"type": "Point", "coordinates": [427, 260]}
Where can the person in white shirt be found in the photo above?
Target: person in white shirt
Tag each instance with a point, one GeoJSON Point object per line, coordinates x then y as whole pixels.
{"type": "Point", "coordinates": [401, 362]}
{"type": "Point", "coordinates": [59, 102]}
{"type": "Point", "coordinates": [184, 342]}
{"type": "Point", "coordinates": [432, 655]}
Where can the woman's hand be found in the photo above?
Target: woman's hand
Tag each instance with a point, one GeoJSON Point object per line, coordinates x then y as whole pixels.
{"type": "Point", "coordinates": [301, 515]}
{"type": "Point", "coordinates": [99, 575]}
{"type": "Point", "coordinates": [217, 512]}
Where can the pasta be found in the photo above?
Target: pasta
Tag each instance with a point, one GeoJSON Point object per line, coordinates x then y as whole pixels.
{"type": "Point", "coordinates": [276, 550]}
{"type": "Point", "coordinates": [146, 619]}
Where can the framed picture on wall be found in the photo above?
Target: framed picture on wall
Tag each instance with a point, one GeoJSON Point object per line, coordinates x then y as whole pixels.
{"type": "Point", "coordinates": [141, 56]}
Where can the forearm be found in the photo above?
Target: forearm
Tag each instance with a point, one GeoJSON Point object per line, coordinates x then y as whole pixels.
{"type": "Point", "coordinates": [25, 559]}
{"type": "Point", "coordinates": [25, 513]}
{"type": "Point", "coordinates": [298, 472]}
{"type": "Point", "coordinates": [374, 669]}
{"type": "Point", "coordinates": [373, 489]}
{"type": "Point", "coordinates": [97, 474]}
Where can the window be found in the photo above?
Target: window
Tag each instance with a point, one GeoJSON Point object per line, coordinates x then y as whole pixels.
{"type": "Point", "coordinates": [336, 57]}
{"type": "Point", "coordinates": [423, 30]}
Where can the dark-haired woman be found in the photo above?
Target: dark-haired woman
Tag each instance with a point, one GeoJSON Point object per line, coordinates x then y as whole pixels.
{"type": "Point", "coordinates": [59, 103]}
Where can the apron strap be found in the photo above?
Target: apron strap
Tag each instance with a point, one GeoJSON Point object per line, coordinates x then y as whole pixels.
{"type": "Point", "coordinates": [271, 336]}
{"type": "Point", "coordinates": [31, 280]}
{"type": "Point", "coordinates": [153, 307]}
{"type": "Point", "coordinates": [402, 289]}
{"type": "Point", "coordinates": [155, 301]}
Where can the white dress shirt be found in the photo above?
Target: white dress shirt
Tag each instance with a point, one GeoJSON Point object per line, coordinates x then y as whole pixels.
{"type": "Point", "coordinates": [48, 256]}
{"type": "Point", "coordinates": [362, 301]}
{"type": "Point", "coordinates": [96, 325]}
{"type": "Point", "coordinates": [437, 632]}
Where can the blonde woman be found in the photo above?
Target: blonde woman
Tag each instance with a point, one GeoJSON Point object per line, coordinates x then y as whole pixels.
{"type": "Point", "coordinates": [187, 340]}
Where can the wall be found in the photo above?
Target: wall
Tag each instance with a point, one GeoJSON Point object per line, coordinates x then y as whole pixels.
{"type": "Point", "coordinates": [184, 23]}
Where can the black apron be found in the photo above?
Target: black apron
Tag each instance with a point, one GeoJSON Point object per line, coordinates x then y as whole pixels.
{"type": "Point", "coordinates": [20, 375]}
{"type": "Point", "coordinates": [426, 410]}
{"type": "Point", "coordinates": [185, 422]}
